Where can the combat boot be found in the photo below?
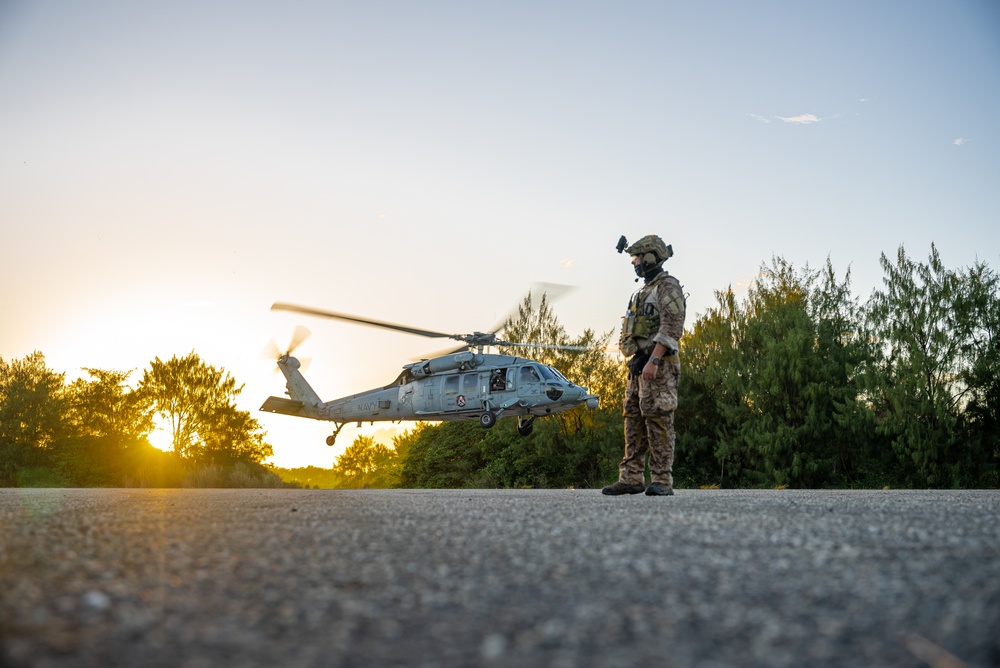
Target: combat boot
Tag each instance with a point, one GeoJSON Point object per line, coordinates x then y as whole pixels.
{"type": "Point", "coordinates": [659, 489]}
{"type": "Point", "coordinates": [623, 488]}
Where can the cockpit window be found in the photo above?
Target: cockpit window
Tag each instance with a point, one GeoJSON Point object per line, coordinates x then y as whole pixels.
{"type": "Point", "coordinates": [547, 373]}
{"type": "Point", "coordinates": [529, 375]}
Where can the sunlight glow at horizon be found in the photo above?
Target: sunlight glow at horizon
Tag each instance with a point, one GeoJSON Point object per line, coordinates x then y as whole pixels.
{"type": "Point", "coordinates": [161, 438]}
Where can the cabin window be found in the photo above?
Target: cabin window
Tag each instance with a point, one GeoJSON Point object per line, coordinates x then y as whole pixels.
{"type": "Point", "coordinates": [451, 385]}
{"type": "Point", "coordinates": [498, 380]}
{"type": "Point", "coordinates": [470, 383]}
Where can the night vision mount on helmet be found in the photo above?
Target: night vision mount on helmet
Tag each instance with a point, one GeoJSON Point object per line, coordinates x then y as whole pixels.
{"type": "Point", "coordinates": [650, 249]}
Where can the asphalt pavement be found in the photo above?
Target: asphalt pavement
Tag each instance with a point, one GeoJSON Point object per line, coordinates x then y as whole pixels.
{"type": "Point", "coordinates": [705, 578]}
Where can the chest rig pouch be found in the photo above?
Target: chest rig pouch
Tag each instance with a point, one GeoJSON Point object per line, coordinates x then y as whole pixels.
{"type": "Point", "coordinates": [640, 324]}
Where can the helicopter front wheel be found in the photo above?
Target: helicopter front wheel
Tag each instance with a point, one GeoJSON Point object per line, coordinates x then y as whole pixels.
{"type": "Point", "coordinates": [487, 419]}
{"type": "Point", "coordinates": [525, 426]}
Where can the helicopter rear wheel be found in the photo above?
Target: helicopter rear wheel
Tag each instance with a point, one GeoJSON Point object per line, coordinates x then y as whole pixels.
{"type": "Point", "coordinates": [487, 419]}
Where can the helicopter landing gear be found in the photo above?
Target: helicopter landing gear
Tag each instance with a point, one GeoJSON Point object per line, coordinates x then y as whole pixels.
{"type": "Point", "coordinates": [525, 426]}
{"type": "Point", "coordinates": [332, 438]}
{"type": "Point", "coordinates": [487, 419]}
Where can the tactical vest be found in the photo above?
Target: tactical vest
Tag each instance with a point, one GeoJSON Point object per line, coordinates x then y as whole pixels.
{"type": "Point", "coordinates": [642, 319]}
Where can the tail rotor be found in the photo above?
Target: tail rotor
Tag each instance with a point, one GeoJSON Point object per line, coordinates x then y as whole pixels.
{"type": "Point", "coordinates": [274, 353]}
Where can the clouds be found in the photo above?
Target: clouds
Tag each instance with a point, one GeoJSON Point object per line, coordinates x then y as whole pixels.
{"type": "Point", "coordinates": [960, 141]}
{"type": "Point", "coordinates": [801, 119]}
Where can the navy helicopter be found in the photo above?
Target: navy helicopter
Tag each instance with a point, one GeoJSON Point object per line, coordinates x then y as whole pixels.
{"type": "Point", "coordinates": [460, 384]}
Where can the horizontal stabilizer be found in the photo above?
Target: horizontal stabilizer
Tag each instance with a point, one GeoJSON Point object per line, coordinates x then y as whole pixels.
{"type": "Point", "coordinates": [283, 406]}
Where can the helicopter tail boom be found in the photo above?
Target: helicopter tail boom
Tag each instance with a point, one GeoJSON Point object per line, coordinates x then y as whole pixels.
{"type": "Point", "coordinates": [303, 400]}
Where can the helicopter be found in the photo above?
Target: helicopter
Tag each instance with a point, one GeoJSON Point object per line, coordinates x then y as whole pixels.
{"type": "Point", "coordinates": [465, 383]}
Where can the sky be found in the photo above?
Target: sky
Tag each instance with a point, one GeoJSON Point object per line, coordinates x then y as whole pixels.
{"type": "Point", "coordinates": [168, 170]}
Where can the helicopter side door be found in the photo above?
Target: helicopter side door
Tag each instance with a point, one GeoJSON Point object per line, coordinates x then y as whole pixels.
{"type": "Point", "coordinates": [450, 392]}
{"type": "Point", "coordinates": [461, 392]}
{"type": "Point", "coordinates": [468, 399]}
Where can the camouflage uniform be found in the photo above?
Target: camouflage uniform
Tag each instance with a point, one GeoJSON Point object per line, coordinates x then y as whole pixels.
{"type": "Point", "coordinates": [649, 405]}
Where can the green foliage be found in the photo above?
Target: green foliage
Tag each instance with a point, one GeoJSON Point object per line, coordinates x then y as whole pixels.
{"type": "Point", "coordinates": [442, 456]}
{"type": "Point", "coordinates": [932, 383]}
{"type": "Point", "coordinates": [240, 475]}
{"type": "Point", "coordinates": [198, 400]}
{"type": "Point", "coordinates": [978, 308]}
{"type": "Point", "coordinates": [365, 464]}
{"type": "Point", "coordinates": [94, 431]}
{"type": "Point", "coordinates": [148, 466]}
{"type": "Point", "coordinates": [109, 425]}
{"type": "Point", "coordinates": [310, 477]}
{"type": "Point", "coordinates": [764, 381]}
{"type": "Point", "coordinates": [40, 476]}
{"type": "Point", "coordinates": [32, 405]}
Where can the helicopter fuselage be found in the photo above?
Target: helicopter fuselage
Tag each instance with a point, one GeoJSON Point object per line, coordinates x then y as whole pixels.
{"type": "Point", "coordinates": [459, 386]}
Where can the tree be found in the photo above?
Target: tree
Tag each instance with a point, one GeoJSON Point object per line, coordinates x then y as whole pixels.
{"type": "Point", "coordinates": [110, 424]}
{"type": "Point", "coordinates": [232, 436]}
{"type": "Point", "coordinates": [934, 373]}
{"type": "Point", "coordinates": [366, 463]}
{"type": "Point", "coordinates": [705, 389]}
{"type": "Point", "coordinates": [443, 455]}
{"type": "Point", "coordinates": [32, 402]}
{"type": "Point", "coordinates": [764, 379]}
{"type": "Point", "coordinates": [198, 401]}
{"type": "Point", "coordinates": [977, 308]}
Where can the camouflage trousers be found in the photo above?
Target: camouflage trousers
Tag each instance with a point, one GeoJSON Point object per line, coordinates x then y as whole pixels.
{"type": "Point", "coordinates": [649, 425]}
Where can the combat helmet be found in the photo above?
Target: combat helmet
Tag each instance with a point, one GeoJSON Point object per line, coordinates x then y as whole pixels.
{"type": "Point", "coordinates": [652, 251]}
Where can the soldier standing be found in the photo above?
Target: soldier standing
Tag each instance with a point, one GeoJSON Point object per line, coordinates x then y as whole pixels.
{"type": "Point", "coordinates": [651, 329]}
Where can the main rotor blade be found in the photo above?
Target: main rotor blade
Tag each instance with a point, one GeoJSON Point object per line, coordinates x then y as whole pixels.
{"type": "Point", "coordinates": [280, 306]}
{"type": "Point", "coordinates": [550, 346]}
{"type": "Point", "coordinates": [551, 292]}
